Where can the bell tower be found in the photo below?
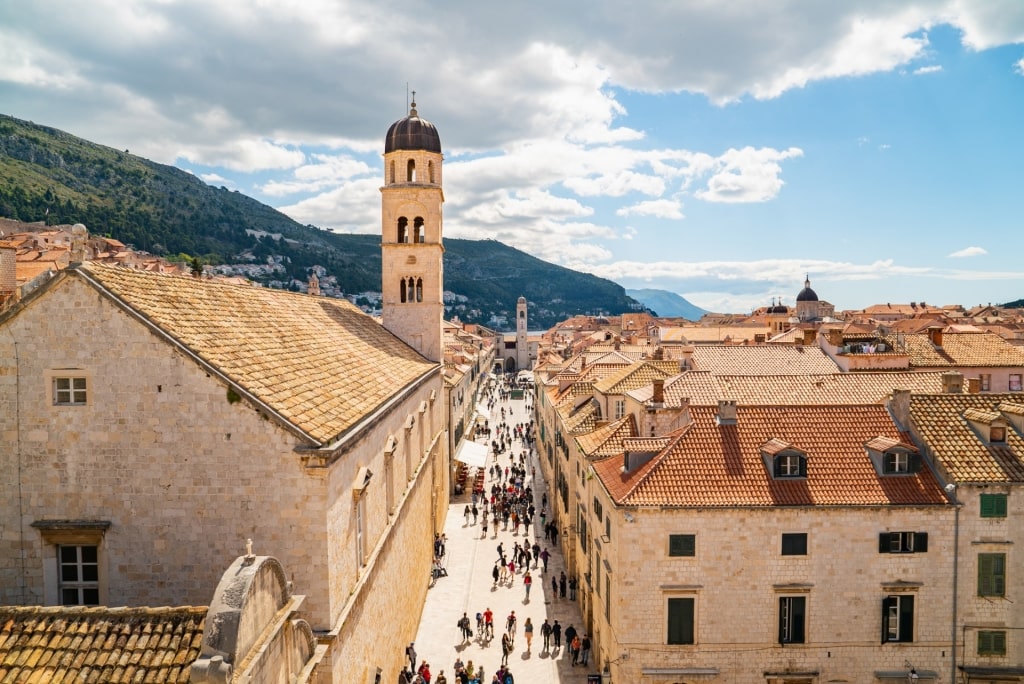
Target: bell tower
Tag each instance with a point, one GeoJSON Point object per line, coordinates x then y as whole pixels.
{"type": "Point", "coordinates": [411, 249]}
{"type": "Point", "coordinates": [522, 340]}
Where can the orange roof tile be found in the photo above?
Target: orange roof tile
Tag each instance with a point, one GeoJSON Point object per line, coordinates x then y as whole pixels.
{"type": "Point", "coordinates": [711, 465]}
{"type": "Point", "coordinates": [607, 440]}
{"type": "Point", "coordinates": [109, 645]}
{"type": "Point", "coordinates": [320, 363]}
{"type": "Point", "coordinates": [941, 422]}
{"type": "Point", "coordinates": [960, 350]}
{"type": "Point", "coordinates": [762, 360]}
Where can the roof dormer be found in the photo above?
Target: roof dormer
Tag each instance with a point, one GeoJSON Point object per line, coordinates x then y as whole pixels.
{"type": "Point", "coordinates": [989, 426]}
{"type": "Point", "coordinates": [783, 460]}
{"type": "Point", "coordinates": [892, 457]}
{"type": "Point", "coordinates": [1014, 414]}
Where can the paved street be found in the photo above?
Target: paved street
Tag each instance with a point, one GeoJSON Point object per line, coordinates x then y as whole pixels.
{"type": "Point", "coordinates": [469, 588]}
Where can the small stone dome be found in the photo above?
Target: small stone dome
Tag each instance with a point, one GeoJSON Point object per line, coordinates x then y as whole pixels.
{"type": "Point", "coordinates": [807, 294]}
{"type": "Point", "coordinates": [412, 133]}
{"type": "Point", "coordinates": [778, 308]}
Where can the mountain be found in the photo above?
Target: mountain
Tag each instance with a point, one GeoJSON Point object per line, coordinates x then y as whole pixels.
{"type": "Point", "coordinates": [52, 176]}
{"type": "Point", "coordinates": [667, 303]}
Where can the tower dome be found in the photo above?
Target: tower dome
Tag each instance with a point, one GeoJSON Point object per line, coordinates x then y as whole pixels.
{"type": "Point", "coordinates": [807, 294]}
{"type": "Point", "coordinates": [412, 133]}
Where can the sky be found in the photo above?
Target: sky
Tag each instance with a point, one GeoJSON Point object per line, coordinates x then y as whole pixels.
{"type": "Point", "coordinates": [720, 150]}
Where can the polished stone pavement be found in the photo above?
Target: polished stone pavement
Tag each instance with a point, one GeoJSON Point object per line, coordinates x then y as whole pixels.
{"type": "Point", "coordinates": [469, 588]}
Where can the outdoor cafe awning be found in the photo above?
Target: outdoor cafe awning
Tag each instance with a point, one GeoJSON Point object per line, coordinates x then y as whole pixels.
{"type": "Point", "coordinates": [472, 453]}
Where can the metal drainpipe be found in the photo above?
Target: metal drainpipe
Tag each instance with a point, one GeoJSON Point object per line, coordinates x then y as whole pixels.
{"type": "Point", "coordinates": [956, 563]}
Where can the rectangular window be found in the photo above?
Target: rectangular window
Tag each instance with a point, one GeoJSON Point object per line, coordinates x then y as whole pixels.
{"type": "Point", "coordinates": [680, 620]}
{"type": "Point", "coordinates": [792, 616]}
{"type": "Point", "coordinates": [598, 509]}
{"type": "Point", "coordinates": [991, 643]}
{"type": "Point", "coordinates": [682, 545]}
{"type": "Point", "coordinates": [69, 391]}
{"type": "Point", "coordinates": [993, 505]}
{"type": "Point", "coordinates": [790, 465]}
{"type": "Point", "coordinates": [898, 619]}
{"type": "Point", "coordinates": [79, 578]}
{"type": "Point", "coordinates": [794, 544]}
{"type": "Point", "coordinates": [1015, 382]}
{"type": "Point", "coordinates": [900, 462]}
{"type": "Point", "coordinates": [360, 531]}
{"type": "Point", "coordinates": [620, 408]}
{"type": "Point", "coordinates": [997, 433]}
{"type": "Point", "coordinates": [986, 382]}
{"type": "Point", "coordinates": [903, 542]}
{"type": "Point", "coordinates": [991, 574]}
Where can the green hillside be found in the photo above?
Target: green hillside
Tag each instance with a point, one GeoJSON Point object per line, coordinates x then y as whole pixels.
{"type": "Point", "coordinates": [52, 176]}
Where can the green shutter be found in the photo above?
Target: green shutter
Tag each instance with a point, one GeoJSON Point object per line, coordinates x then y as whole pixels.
{"type": "Point", "coordinates": [993, 505]}
{"type": "Point", "coordinates": [991, 643]}
{"type": "Point", "coordinates": [680, 620]}
{"type": "Point", "coordinates": [991, 574]}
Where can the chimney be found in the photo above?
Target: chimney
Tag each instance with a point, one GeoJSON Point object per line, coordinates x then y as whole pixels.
{"type": "Point", "coordinates": [900, 407]}
{"type": "Point", "coordinates": [686, 360]}
{"type": "Point", "coordinates": [810, 336]}
{"type": "Point", "coordinates": [78, 237]}
{"type": "Point", "coordinates": [617, 343]}
{"type": "Point", "coordinates": [726, 412]}
{"type": "Point", "coordinates": [658, 354]}
{"type": "Point", "coordinates": [659, 392]}
{"type": "Point", "coordinates": [935, 335]}
{"type": "Point", "coordinates": [314, 285]}
{"type": "Point", "coordinates": [973, 385]}
{"type": "Point", "coordinates": [835, 337]}
{"type": "Point", "coordinates": [8, 269]}
{"type": "Point", "coordinates": [952, 382]}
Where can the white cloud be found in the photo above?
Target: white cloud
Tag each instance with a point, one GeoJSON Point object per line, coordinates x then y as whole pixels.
{"type": "Point", "coordinates": [246, 155]}
{"type": "Point", "coordinates": [931, 69]}
{"type": "Point", "coordinates": [969, 252]}
{"type": "Point", "coordinates": [747, 175]}
{"type": "Point", "coordinates": [327, 171]}
{"type": "Point", "coordinates": [663, 208]}
{"type": "Point", "coordinates": [217, 179]}
{"type": "Point", "coordinates": [1019, 67]}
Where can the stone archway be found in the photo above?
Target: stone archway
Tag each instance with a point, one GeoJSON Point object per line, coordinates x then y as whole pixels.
{"type": "Point", "coordinates": [510, 365]}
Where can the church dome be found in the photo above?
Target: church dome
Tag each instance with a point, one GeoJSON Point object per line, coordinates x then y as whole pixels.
{"type": "Point", "coordinates": [807, 294]}
{"type": "Point", "coordinates": [412, 133]}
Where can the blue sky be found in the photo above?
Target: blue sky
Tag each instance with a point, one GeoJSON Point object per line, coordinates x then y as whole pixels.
{"type": "Point", "coordinates": [718, 150]}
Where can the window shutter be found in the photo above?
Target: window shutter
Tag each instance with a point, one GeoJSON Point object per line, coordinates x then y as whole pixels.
{"type": "Point", "coordinates": [889, 462]}
{"type": "Point", "coordinates": [803, 466]}
{"type": "Point", "coordinates": [999, 643]}
{"type": "Point", "coordinates": [799, 608]}
{"type": "Point", "coordinates": [782, 621]}
{"type": "Point", "coordinates": [906, 618]}
{"type": "Point", "coordinates": [920, 542]}
{"type": "Point", "coordinates": [883, 542]}
{"type": "Point", "coordinates": [914, 463]}
{"type": "Point", "coordinates": [777, 463]}
{"type": "Point", "coordinates": [885, 618]}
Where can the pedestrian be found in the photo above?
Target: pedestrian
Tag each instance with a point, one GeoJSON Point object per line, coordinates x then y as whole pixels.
{"type": "Point", "coordinates": [441, 679]}
{"type": "Point", "coordinates": [584, 652]}
{"type": "Point", "coordinates": [527, 583]}
{"type": "Point", "coordinates": [544, 555]}
{"type": "Point", "coordinates": [572, 588]}
{"type": "Point", "coordinates": [489, 621]}
{"type": "Point", "coordinates": [464, 626]}
{"type": "Point", "coordinates": [511, 571]}
{"type": "Point", "coordinates": [495, 573]}
{"type": "Point", "coordinates": [510, 625]}
{"type": "Point", "coordinates": [485, 528]}
{"type": "Point", "coordinates": [410, 653]}
{"type": "Point", "coordinates": [424, 672]}
{"type": "Point", "coordinates": [545, 631]}
{"type": "Point", "coordinates": [574, 648]}
{"type": "Point", "coordinates": [476, 512]}
{"type": "Point", "coordinates": [468, 512]}
{"type": "Point", "coordinates": [528, 631]}
{"type": "Point", "coordinates": [556, 634]}
{"type": "Point", "coordinates": [571, 639]}
{"type": "Point", "coordinates": [554, 587]}
{"type": "Point", "coordinates": [506, 648]}
{"type": "Point", "coordinates": [536, 552]}
{"type": "Point", "coordinates": [561, 586]}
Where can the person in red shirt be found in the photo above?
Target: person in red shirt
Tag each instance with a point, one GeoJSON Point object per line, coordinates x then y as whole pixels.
{"type": "Point", "coordinates": [489, 621]}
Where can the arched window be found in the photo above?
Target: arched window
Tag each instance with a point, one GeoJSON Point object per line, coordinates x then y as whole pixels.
{"type": "Point", "coordinates": [419, 289]}
{"type": "Point", "coordinates": [430, 171]}
{"type": "Point", "coordinates": [417, 229]}
{"type": "Point", "coordinates": [403, 224]}
{"type": "Point", "coordinates": [392, 171]}
{"type": "Point", "coordinates": [410, 171]}
{"type": "Point", "coordinates": [522, 314]}
{"type": "Point", "coordinates": [401, 288]}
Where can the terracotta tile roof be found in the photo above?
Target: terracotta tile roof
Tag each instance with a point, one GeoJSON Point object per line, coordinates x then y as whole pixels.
{"type": "Point", "coordinates": [705, 389]}
{"type": "Point", "coordinates": [711, 465]}
{"type": "Point", "coordinates": [607, 440]}
{"type": "Point", "coordinates": [319, 362]}
{"type": "Point", "coordinates": [109, 645]}
{"type": "Point", "coordinates": [762, 360]}
{"type": "Point", "coordinates": [941, 422]}
{"type": "Point", "coordinates": [960, 350]}
{"type": "Point", "coordinates": [700, 334]}
{"type": "Point", "coordinates": [583, 419]}
{"type": "Point", "coordinates": [636, 375]}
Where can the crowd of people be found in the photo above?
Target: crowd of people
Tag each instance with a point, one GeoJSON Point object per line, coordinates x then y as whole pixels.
{"type": "Point", "coordinates": [509, 503]}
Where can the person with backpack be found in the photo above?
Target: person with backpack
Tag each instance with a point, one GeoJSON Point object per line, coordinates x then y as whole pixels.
{"type": "Point", "coordinates": [467, 633]}
{"type": "Point", "coordinates": [545, 631]}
